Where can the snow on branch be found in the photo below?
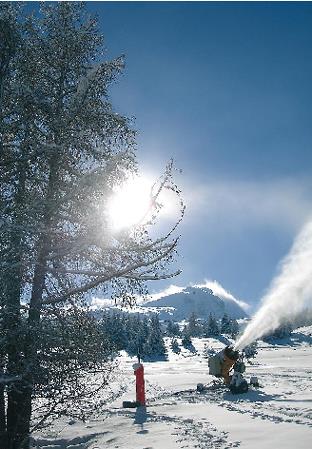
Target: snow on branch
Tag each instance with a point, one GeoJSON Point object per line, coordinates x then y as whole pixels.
{"type": "Point", "coordinates": [129, 272]}
{"type": "Point", "coordinates": [103, 71]}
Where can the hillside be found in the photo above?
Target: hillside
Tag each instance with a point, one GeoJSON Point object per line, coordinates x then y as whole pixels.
{"type": "Point", "coordinates": [201, 300]}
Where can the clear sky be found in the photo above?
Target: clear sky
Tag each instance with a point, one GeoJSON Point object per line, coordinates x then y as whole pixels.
{"type": "Point", "coordinates": [224, 89]}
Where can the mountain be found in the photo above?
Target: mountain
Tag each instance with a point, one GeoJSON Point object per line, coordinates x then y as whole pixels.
{"type": "Point", "coordinates": [201, 300]}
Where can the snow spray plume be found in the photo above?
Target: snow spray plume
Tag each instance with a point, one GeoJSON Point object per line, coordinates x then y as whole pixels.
{"type": "Point", "coordinates": [289, 294]}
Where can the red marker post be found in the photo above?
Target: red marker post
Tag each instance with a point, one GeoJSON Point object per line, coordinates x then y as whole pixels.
{"type": "Point", "coordinates": [140, 385]}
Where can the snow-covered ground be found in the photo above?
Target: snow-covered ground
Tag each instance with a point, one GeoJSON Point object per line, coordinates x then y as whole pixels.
{"type": "Point", "coordinates": [276, 415]}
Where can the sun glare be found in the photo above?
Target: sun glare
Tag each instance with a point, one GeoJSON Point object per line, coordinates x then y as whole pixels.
{"type": "Point", "coordinates": [131, 203]}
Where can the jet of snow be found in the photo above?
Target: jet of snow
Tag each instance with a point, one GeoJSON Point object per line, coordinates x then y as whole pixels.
{"type": "Point", "coordinates": [219, 291]}
{"type": "Point", "coordinates": [171, 290]}
{"type": "Point", "coordinates": [289, 294]}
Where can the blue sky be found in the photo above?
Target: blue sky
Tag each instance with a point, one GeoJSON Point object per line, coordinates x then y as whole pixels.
{"type": "Point", "coordinates": [225, 89]}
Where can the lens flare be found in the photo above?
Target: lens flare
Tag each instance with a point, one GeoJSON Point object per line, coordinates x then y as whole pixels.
{"type": "Point", "coordinates": [130, 204]}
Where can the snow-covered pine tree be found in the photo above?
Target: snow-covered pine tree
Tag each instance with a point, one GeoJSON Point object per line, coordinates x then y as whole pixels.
{"type": "Point", "coordinates": [144, 334]}
{"type": "Point", "coordinates": [64, 149]}
{"type": "Point", "coordinates": [186, 338]}
{"type": "Point", "coordinates": [155, 346]}
{"type": "Point", "coordinates": [194, 327]}
{"type": "Point", "coordinates": [225, 324]}
{"type": "Point", "coordinates": [234, 326]}
{"type": "Point", "coordinates": [174, 344]}
{"type": "Point", "coordinates": [251, 350]}
{"type": "Point", "coordinates": [173, 329]}
{"type": "Point", "coordinates": [211, 327]}
{"type": "Point", "coordinates": [9, 41]}
{"type": "Point", "coordinates": [114, 330]}
{"type": "Point", "coordinates": [12, 221]}
{"type": "Point", "coordinates": [133, 330]}
{"type": "Point", "coordinates": [283, 331]}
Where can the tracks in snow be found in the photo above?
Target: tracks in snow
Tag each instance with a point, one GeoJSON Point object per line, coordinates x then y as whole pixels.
{"type": "Point", "coordinates": [255, 403]}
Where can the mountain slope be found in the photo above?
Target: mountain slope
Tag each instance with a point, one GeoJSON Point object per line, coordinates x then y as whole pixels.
{"type": "Point", "coordinates": [202, 301]}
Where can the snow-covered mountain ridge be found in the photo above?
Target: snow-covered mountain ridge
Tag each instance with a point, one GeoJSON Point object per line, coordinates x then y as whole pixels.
{"type": "Point", "coordinates": [199, 300]}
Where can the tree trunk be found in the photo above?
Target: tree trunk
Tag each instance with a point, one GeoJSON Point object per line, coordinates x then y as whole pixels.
{"type": "Point", "coordinates": [18, 416]}
{"type": "Point", "coordinates": [3, 440]}
{"type": "Point", "coordinates": [20, 399]}
{"type": "Point", "coordinates": [18, 394]}
{"type": "Point", "coordinates": [14, 350]}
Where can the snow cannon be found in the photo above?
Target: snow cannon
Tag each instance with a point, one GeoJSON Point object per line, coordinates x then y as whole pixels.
{"type": "Point", "coordinates": [221, 363]}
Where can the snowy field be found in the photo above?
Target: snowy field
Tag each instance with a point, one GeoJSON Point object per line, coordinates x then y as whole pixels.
{"type": "Point", "coordinates": [276, 415]}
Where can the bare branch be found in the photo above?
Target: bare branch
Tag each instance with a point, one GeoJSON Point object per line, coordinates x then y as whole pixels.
{"type": "Point", "coordinates": [116, 274]}
{"type": "Point", "coordinates": [155, 277]}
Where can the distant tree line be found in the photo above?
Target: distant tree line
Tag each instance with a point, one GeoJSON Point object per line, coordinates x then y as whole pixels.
{"type": "Point", "coordinates": [283, 331]}
{"type": "Point", "coordinates": [136, 334]}
{"type": "Point", "coordinates": [211, 327]}
{"type": "Point", "coordinates": [142, 335]}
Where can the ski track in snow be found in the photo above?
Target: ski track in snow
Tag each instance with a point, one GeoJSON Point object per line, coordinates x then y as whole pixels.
{"type": "Point", "coordinates": [200, 433]}
{"type": "Point", "coordinates": [242, 404]}
{"type": "Point", "coordinates": [282, 399]}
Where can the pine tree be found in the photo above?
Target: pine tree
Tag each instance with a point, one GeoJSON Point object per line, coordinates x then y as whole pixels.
{"type": "Point", "coordinates": [144, 334]}
{"type": "Point", "coordinates": [186, 339]}
{"type": "Point", "coordinates": [155, 346]}
{"type": "Point", "coordinates": [173, 329]}
{"type": "Point", "coordinates": [141, 334]}
{"type": "Point", "coordinates": [283, 331]}
{"type": "Point", "coordinates": [211, 327]}
{"type": "Point", "coordinates": [9, 42]}
{"type": "Point", "coordinates": [9, 260]}
{"type": "Point", "coordinates": [225, 324]}
{"type": "Point", "coordinates": [114, 330]}
{"type": "Point", "coordinates": [64, 150]}
{"type": "Point", "coordinates": [194, 328]}
{"type": "Point", "coordinates": [251, 350]}
{"type": "Point", "coordinates": [174, 344]}
{"type": "Point", "coordinates": [234, 328]}
{"type": "Point", "coordinates": [133, 326]}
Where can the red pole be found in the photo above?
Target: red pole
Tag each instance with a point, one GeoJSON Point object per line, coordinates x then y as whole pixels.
{"type": "Point", "coordinates": [140, 387]}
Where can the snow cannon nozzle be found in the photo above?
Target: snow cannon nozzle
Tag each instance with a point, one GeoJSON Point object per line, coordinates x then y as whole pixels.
{"type": "Point", "coordinates": [230, 352]}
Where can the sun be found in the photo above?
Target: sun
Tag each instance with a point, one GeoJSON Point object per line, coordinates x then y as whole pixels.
{"type": "Point", "coordinates": [131, 203]}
